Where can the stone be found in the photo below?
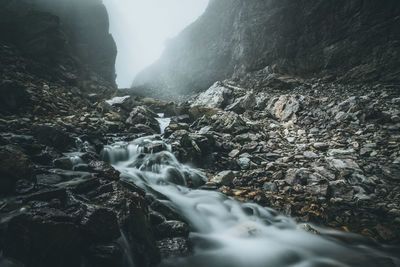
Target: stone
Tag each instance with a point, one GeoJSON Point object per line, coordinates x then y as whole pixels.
{"type": "Point", "coordinates": [124, 102]}
{"type": "Point", "coordinates": [103, 255]}
{"type": "Point", "coordinates": [215, 97]}
{"type": "Point", "coordinates": [340, 152]}
{"type": "Point", "coordinates": [243, 103]}
{"type": "Point", "coordinates": [310, 155]}
{"type": "Point", "coordinates": [234, 153]}
{"type": "Point", "coordinates": [14, 165]}
{"type": "Point", "coordinates": [244, 163]}
{"type": "Point", "coordinates": [55, 137]}
{"type": "Point", "coordinates": [174, 247]}
{"type": "Point", "coordinates": [224, 178]}
{"type": "Point", "coordinates": [343, 164]}
{"type": "Point", "coordinates": [172, 229]}
{"type": "Point", "coordinates": [104, 169]}
{"type": "Point", "coordinates": [100, 224]}
{"type": "Point", "coordinates": [63, 163]}
{"type": "Point", "coordinates": [196, 112]}
{"type": "Point", "coordinates": [321, 146]}
{"type": "Point", "coordinates": [143, 115]}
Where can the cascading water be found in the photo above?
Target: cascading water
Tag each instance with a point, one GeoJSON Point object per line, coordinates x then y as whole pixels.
{"type": "Point", "coordinates": [229, 233]}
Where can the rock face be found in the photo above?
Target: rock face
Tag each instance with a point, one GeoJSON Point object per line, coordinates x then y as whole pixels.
{"type": "Point", "coordinates": [69, 36]}
{"type": "Point", "coordinates": [353, 40]}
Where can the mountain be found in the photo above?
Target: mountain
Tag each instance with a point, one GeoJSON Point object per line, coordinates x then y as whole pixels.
{"type": "Point", "coordinates": [68, 39]}
{"type": "Point", "coordinates": [343, 40]}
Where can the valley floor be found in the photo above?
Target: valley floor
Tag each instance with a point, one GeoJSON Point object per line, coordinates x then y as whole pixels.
{"type": "Point", "coordinates": [325, 154]}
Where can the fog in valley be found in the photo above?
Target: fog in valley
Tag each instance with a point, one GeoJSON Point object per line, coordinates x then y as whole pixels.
{"type": "Point", "coordinates": [141, 28]}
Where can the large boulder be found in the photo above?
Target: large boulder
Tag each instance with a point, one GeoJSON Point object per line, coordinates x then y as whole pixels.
{"type": "Point", "coordinates": [217, 96]}
{"type": "Point", "coordinates": [143, 115]}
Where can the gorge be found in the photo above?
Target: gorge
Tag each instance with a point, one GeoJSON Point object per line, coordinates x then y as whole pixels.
{"type": "Point", "coordinates": [267, 134]}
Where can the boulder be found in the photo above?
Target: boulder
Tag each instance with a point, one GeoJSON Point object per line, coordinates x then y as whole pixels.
{"type": "Point", "coordinates": [143, 115]}
{"type": "Point", "coordinates": [100, 224]}
{"type": "Point", "coordinates": [216, 97]}
{"type": "Point", "coordinates": [224, 178]}
{"type": "Point", "coordinates": [197, 112]}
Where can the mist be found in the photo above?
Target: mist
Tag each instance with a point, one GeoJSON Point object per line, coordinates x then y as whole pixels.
{"type": "Point", "coordinates": [141, 28]}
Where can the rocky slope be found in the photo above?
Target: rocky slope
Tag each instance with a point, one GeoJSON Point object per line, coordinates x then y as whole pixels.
{"type": "Point", "coordinates": [328, 155]}
{"type": "Point", "coordinates": [70, 38]}
{"type": "Point", "coordinates": [349, 41]}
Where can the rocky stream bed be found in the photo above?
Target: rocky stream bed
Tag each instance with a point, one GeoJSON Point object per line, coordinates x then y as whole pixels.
{"type": "Point", "coordinates": [84, 179]}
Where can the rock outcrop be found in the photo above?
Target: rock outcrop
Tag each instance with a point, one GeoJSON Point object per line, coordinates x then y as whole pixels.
{"type": "Point", "coordinates": [70, 38]}
{"type": "Point", "coordinates": [350, 41]}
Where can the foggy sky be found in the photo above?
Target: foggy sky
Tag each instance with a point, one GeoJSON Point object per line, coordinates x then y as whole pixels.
{"type": "Point", "coordinates": [141, 27]}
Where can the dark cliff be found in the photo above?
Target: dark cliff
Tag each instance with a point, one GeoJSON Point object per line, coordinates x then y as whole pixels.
{"type": "Point", "coordinates": [348, 41]}
{"type": "Point", "coordinates": [68, 39]}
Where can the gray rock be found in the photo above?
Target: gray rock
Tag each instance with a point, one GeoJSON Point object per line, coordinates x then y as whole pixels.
{"type": "Point", "coordinates": [310, 155]}
{"type": "Point", "coordinates": [343, 164]}
{"type": "Point", "coordinates": [244, 163]}
{"type": "Point", "coordinates": [224, 178]}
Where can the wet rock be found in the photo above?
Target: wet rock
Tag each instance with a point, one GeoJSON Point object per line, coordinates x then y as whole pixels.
{"type": "Point", "coordinates": [143, 115]}
{"type": "Point", "coordinates": [48, 179]}
{"type": "Point", "coordinates": [172, 229]}
{"type": "Point", "coordinates": [174, 247]}
{"type": "Point", "coordinates": [100, 224]}
{"type": "Point", "coordinates": [63, 163]}
{"type": "Point", "coordinates": [47, 195]}
{"type": "Point", "coordinates": [35, 241]}
{"type": "Point", "coordinates": [104, 255]}
{"type": "Point", "coordinates": [54, 137]}
{"type": "Point", "coordinates": [14, 165]}
{"type": "Point", "coordinates": [165, 210]}
{"type": "Point", "coordinates": [104, 169]}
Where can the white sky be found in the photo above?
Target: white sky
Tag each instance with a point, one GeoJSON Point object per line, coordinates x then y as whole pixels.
{"type": "Point", "coordinates": [141, 27]}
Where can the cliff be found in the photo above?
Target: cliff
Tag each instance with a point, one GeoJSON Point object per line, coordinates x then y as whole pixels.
{"type": "Point", "coordinates": [347, 41]}
{"type": "Point", "coordinates": [67, 39]}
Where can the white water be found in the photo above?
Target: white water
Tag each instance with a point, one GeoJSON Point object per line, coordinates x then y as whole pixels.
{"type": "Point", "coordinates": [229, 233]}
{"type": "Point", "coordinates": [164, 122]}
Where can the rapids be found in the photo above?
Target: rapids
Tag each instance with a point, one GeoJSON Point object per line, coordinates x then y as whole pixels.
{"type": "Point", "coordinates": [226, 232]}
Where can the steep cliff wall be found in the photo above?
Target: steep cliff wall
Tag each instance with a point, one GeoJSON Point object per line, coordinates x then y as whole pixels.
{"type": "Point", "coordinates": [68, 36]}
{"type": "Point", "coordinates": [345, 40]}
